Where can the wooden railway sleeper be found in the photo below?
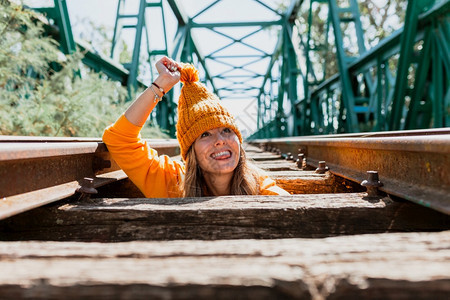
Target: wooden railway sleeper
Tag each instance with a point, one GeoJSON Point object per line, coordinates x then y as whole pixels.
{"type": "Point", "coordinates": [319, 246]}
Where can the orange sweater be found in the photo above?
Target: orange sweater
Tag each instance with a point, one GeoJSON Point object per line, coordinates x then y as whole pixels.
{"type": "Point", "coordinates": [156, 176]}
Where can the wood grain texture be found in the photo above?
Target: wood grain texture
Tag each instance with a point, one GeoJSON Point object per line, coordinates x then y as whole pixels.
{"type": "Point", "coordinates": [211, 218]}
{"type": "Point", "coordinates": [309, 182]}
{"type": "Point", "coordinates": [381, 266]}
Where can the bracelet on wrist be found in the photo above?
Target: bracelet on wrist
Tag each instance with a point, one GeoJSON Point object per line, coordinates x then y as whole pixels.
{"type": "Point", "coordinates": [157, 97]}
{"type": "Point", "coordinates": [159, 88]}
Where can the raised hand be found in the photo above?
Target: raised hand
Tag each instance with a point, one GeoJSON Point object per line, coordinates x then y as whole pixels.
{"type": "Point", "coordinates": [169, 74]}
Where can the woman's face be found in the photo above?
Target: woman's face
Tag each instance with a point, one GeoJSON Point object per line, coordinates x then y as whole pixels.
{"type": "Point", "coordinates": [217, 151]}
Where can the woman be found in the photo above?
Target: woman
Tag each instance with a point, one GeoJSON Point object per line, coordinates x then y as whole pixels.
{"type": "Point", "coordinates": [210, 144]}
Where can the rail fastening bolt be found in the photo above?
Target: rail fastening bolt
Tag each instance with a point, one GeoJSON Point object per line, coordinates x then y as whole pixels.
{"type": "Point", "coordinates": [300, 160]}
{"type": "Point", "coordinates": [87, 186]}
{"type": "Point", "coordinates": [322, 167]}
{"type": "Point", "coordinates": [372, 183]}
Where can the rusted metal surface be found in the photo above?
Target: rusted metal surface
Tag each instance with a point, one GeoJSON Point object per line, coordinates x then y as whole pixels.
{"type": "Point", "coordinates": [10, 206]}
{"type": "Point", "coordinates": [417, 132]}
{"type": "Point", "coordinates": [27, 167]}
{"type": "Point", "coordinates": [45, 170]}
{"type": "Point", "coordinates": [47, 139]}
{"type": "Point", "coordinates": [414, 167]}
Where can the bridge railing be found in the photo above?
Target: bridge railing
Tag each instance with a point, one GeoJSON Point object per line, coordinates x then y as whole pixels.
{"type": "Point", "coordinates": [402, 83]}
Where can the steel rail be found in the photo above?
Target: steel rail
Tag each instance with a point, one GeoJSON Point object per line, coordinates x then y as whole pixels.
{"type": "Point", "coordinates": [415, 132]}
{"type": "Point", "coordinates": [35, 171]}
{"type": "Point", "coordinates": [415, 167]}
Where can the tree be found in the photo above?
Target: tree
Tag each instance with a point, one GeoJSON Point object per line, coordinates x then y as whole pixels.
{"type": "Point", "coordinates": [44, 92]}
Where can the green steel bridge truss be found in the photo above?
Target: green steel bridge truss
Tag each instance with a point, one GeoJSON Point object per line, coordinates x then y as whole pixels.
{"type": "Point", "coordinates": [293, 94]}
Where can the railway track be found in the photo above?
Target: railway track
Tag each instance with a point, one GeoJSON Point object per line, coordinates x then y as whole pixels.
{"type": "Point", "coordinates": [72, 224]}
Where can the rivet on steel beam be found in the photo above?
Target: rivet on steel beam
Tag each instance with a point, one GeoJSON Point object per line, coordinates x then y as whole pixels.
{"type": "Point", "coordinates": [322, 167]}
{"type": "Point", "coordinates": [372, 183]}
{"type": "Point", "coordinates": [87, 188]}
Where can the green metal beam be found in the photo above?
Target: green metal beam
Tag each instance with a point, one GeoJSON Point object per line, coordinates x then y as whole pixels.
{"type": "Point", "coordinates": [61, 18]}
{"type": "Point", "coordinates": [134, 66]}
{"type": "Point", "coordinates": [365, 102]}
{"type": "Point", "coordinates": [429, 100]}
{"type": "Point", "coordinates": [236, 24]}
{"type": "Point", "coordinates": [348, 98]}
{"type": "Point", "coordinates": [413, 10]}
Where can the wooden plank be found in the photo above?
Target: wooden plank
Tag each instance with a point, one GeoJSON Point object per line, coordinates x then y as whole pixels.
{"type": "Point", "coordinates": [296, 181]}
{"type": "Point", "coordinates": [230, 217]}
{"type": "Point", "coordinates": [382, 266]}
{"type": "Point", "coordinates": [265, 156]}
{"type": "Point", "coordinates": [309, 182]}
{"type": "Point", "coordinates": [279, 165]}
{"type": "Point", "coordinates": [251, 149]}
{"type": "Point", "coordinates": [305, 182]}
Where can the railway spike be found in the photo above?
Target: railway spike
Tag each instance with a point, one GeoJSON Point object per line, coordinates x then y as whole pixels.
{"type": "Point", "coordinates": [288, 156]}
{"type": "Point", "coordinates": [372, 183]}
{"type": "Point", "coordinates": [87, 188]}
{"type": "Point", "coordinates": [322, 167]}
{"type": "Point", "coordinates": [300, 161]}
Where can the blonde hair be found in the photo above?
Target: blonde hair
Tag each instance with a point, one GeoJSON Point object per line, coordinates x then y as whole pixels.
{"type": "Point", "coordinates": [245, 179]}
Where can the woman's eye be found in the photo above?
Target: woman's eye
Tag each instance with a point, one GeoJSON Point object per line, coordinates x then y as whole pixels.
{"type": "Point", "coordinates": [204, 134]}
{"type": "Point", "coordinates": [227, 130]}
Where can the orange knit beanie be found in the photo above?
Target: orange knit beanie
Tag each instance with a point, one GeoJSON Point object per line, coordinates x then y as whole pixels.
{"type": "Point", "coordinates": [199, 110]}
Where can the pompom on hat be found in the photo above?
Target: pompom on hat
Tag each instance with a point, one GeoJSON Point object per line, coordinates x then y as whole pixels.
{"type": "Point", "coordinates": [199, 110]}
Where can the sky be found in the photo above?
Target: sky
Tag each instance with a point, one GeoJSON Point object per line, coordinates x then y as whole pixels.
{"type": "Point", "coordinates": [241, 104]}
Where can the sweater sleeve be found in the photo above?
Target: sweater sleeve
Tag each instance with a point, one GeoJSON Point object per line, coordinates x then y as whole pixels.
{"type": "Point", "coordinates": [268, 186]}
{"type": "Point", "coordinates": [156, 176]}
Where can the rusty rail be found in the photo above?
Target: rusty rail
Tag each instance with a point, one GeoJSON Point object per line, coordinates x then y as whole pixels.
{"type": "Point", "coordinates": [35, 171]}
{"type": "Point", "coordinates": [413, 166]}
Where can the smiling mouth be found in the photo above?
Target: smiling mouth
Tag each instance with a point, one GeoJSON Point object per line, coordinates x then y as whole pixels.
{"type": "Point", "coordinates": [221, 155]}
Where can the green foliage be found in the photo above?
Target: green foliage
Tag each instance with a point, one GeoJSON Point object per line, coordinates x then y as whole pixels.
{"type": "Point", "coordinates": [381, 18]}
{"type": "Point", "coordinates": [46, 93]}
